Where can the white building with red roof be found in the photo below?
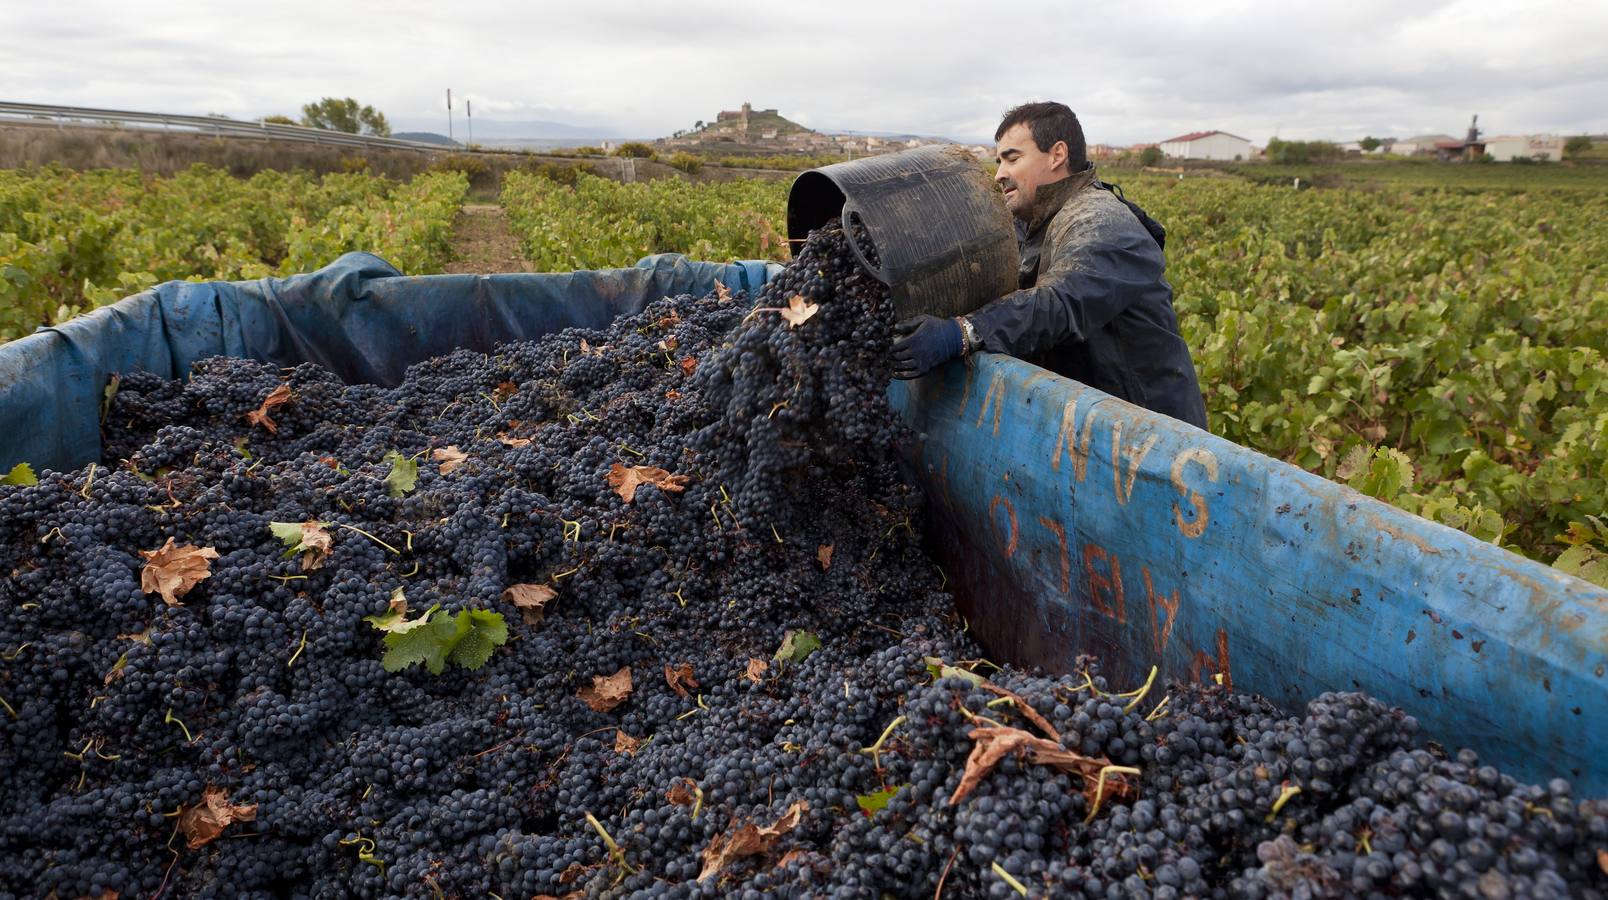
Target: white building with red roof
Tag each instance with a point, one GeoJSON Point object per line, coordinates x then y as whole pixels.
{"type": "Point", "coordinates": [1207, 145]}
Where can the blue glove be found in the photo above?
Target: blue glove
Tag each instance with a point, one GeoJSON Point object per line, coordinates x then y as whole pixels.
{"type": "Point", "coordinates": [924, 343]}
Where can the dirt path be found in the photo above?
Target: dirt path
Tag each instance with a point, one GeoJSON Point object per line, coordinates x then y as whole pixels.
{"type": "Point", "coordinates": [483, 244]}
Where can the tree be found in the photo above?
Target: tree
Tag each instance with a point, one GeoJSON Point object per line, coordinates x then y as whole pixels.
{"type": "Point", "coordinates": [1150, 156]}
{"type": "Point", "coordinates": [1577, 146]}
{"type": "Point", "coordinates": [279, 120]}
{"type": "Point", "coordinates": [346, 115]}
{"type": "Point", "coordinates": [1370, 143]}
{"type": "Point", "coordinates": [636, 149]}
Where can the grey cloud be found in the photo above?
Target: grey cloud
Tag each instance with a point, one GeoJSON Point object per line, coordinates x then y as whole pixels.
{"type": "Point", "coordinates": [1134, 72]}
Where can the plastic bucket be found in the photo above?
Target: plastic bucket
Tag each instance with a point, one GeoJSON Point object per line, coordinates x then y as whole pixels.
{"type": "Point", "coordinates": [943, 239]}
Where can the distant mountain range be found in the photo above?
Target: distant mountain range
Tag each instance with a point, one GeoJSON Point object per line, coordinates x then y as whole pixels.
{"type": "Point", "coordinates": [425, 137]}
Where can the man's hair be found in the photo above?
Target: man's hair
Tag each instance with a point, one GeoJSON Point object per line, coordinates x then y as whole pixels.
{"type": "Point", "coordinates": [1050, 122]}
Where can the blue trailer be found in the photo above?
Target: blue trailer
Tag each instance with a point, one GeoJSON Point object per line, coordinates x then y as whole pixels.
{"type": "Point", "coordinates": [1066, 520]}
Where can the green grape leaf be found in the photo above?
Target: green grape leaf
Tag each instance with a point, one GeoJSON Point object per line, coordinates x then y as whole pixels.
{"type": "Point", "coordinates": [20, 474]}
{"type": "Point", "coordinates": [937, 669]}
{"type": "Point", "coordinates": [1584, 561]}
{"type": "Point", "coordinates": [108, 394]}
{"type": "Point", "coordinates": [290, 533]}
{"type": "Point", "coordinates": [428, 641]}
{"type": "Point", "coordinates": [796, 645]}
{"type": "Point", "coordinates": [404, 474]}
{"type": "Point", "coordinates": [876, 800]}
{"type": "Point", "coordinates": [479, 633]}
{"type": "Point", "coordinates": [395, 619]}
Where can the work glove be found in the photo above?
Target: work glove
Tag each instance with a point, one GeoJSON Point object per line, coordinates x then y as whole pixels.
{"type": "Point", "coordinates": [923, 343]}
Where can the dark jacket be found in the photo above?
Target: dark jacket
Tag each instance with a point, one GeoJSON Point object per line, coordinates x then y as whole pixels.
{"type": "Point", "coordinates": [1094, 305]}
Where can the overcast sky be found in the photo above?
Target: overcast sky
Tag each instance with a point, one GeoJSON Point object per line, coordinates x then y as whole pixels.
{"type": "Point", "coordinates": [1140, 71]}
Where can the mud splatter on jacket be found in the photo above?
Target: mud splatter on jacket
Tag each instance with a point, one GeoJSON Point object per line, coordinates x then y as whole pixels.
{"type": "Point", "coordinates": [1094, 304]}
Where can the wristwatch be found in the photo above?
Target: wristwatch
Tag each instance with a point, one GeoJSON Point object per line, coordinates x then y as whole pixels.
{"type": "Point", "coordinates": [968, 336]}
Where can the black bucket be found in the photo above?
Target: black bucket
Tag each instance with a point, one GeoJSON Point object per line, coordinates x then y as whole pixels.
{"type": "Point", "coordinates": [943, 237]}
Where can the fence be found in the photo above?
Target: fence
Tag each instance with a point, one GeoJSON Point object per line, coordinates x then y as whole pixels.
{"type": "Point", "coordinates": [65, 116]}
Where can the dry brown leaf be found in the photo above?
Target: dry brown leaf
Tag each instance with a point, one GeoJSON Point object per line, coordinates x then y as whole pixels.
{"type": "Point", "coordinates": [607, 691]}
{"type": "Point", "coordinates": [670, 320]}
{"type": "Point", "coordinates": [171, 571]}
{"type": "Point", "coordinates": [749, 839]}
{"type": "Point", "coordinates": [504, 390]}
{"type": "Point", "coordinates": [1602, 861]}
{"type": "Point", "coordinates": [798, 311]}
{"type": "Point", "coordinates": [680, 678]}
{"type": "Point", "coordinates": [531, 599]}
{"type": "Point", "coordinates": [682, 793]}
{"type": "Point", "coordinates": [756, 669]}
{"type": "Point", "coordinates": [823, 554]}
{"type": "Point", "coordinates": [449, 457]}
{"type": "Point", "coordinates": [1025, 708]}
{"type": "Point", "coordinates": [688, 365]}
{"type": "Point", "coordinates": [203, 822]}
{"type": "Point", "coordinates": [792, 856]}
{"type": "Point", "coordinates": [722, 293]}
{"type": "Point", "coordinates": [626, 479]}
{"type": "Point", "coordinates": [330, 461]}
{"type": "Point", "coordinates": [993, 744]}
{"type": "Point", "coordinates": [589, 350]}
{"type": "Point", "coordinates": [316, 543]}
{"type": "Point", "coordinates": [624, 743]}
{"type": "Point", "coordinates": [515, 442]}
{"type": "Point", "coordinates": [277, 397]}
{"type": "Point", "coordinates": [672, 395]}
{"type": "Point", "coordinates": [572, 872]}
{"type": "Point", "coordinates": [669, 343]}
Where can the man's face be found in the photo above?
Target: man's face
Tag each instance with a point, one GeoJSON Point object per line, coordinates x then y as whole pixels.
{"type": "Point", "coordinates": [1024, 168]}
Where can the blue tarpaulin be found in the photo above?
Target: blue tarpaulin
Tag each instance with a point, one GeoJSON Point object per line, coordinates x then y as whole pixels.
{"type": "Point", "coordinates": [358, 317]}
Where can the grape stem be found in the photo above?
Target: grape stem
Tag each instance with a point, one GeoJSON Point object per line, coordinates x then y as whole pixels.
{"type": "Point", "coordinates": [939, 893]}
{"type": "Point", "coordinates": [1015, 885]}
{"type": "Point", "coordinates": [299, 649]}
{"type": "Point", "coordinates": [1286, 791]}
{"type": "Point", "coordinates": [876, 748]}
{"type": "Point", "coordinates": [615, 853]}
{"type": "Point", "coordinates": [171, 718]}
{"type": "Point", "coordinates": [370, 537]}
{"type": "Point", "coordinates": [1099, 787]}
{"type": "Point", "coordinates": [1140, 693]}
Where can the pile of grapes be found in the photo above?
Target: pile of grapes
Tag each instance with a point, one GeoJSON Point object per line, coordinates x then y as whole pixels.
{"type": "Point", "coordinates": [640, 611]}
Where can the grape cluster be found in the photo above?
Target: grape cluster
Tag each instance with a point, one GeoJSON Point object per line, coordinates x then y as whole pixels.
{"type": "Point", "coordinates": [766, 513]}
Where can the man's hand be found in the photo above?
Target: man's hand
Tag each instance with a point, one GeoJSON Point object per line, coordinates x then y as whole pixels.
{"type": "Point", "coordinates": [924, 343]}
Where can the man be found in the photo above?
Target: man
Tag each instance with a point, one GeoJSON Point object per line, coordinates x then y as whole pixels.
{"type": "Point", "coordinates": [1093, 304]}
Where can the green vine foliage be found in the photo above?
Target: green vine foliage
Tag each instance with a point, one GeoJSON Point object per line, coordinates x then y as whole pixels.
{"type": "Point", "coordinates": [1440, 350]}
{"type": "Point", "coordinates": [599, 223]}
{"type": "Point", "coordinates": [72, 241]}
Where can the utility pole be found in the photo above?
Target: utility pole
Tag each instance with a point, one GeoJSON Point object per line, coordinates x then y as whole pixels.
{"type": "Point", "coordinates": [469, 117]}
{"type": "Point", "coordinates": [449, 114]}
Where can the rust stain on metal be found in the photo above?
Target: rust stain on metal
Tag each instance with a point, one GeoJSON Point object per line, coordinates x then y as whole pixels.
{"type": "Point", "coordinates": [1112, 584]}
{"type": "Point", "coordinates": [1008, 546]}
{"type": "Point", "coordinates": [1069, 442]}
{"type": "Point", "coordinates": [995, 397]}
{"type": "Point", "coordinates": [1222, 659]}
{"type": "Point", "coordinates": [1160, 633]}
{"type": "Point", "coordinates": [1059, 530]}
